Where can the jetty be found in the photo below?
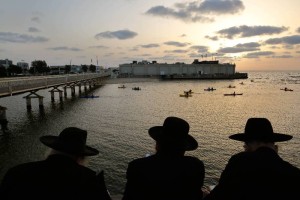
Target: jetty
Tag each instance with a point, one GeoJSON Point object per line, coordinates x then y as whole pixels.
{"type": "Point", "coordinates": [56, 83]}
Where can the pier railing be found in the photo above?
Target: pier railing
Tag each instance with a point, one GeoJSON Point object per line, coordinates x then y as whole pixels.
{"type": "Point", "coordinates": [14, 86]}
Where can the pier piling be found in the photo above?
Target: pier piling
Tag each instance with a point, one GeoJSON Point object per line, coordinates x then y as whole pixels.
{"type": "Point", "coordinates": [33, 94]}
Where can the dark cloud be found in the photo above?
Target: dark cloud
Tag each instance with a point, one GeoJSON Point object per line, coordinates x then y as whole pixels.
{"type": "Point", "coordinates": [149, 45]}
{"type": "Point", "coordinates": [33, 29]}
{"type": "Point", "coordinates": [200, 49]}
{"type": "Point", "coordinates": [64, 48]}
{"type": "Point", "coordinates": [214, 38]}
{"type": "Point", "coordinates": [249, 31]}
{"type": "Point", "coordinates": [183, 35]}
{"type": "Point", "coordinates": [274, 47]}
{"type": "Point", "coordinates": [259, 54]}
{"type": "Point", "coordinates": [220, 7]}
{"type": "Point", "coordinates": [289, 40]}
{"type": "Point", "coordinates": [184, 15]}
{"type": "Point", "coordinates": [197, 11]}
{"type": "Point", "coordinates": [297, 51]}
{"type": "Point", "coordinates": [176, 44]}
{"type": "Point", "coordinates": [176, 51]}
{"type": "Point", "coordinates": [121, 34]}
{"type": "Point", "coordinates": [98, 47]}
{"type": "Point", "coordinates": [251, 46]}
{"type": "Point", "coordinates": [21, 38]}
{"type": "Point", "coordinates": [298, 30]}
{"type": "Point", "coordinates": [283, 56]}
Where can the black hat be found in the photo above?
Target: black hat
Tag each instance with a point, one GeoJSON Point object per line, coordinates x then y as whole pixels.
{"type": "Point", "coordinates": [260, 129]}
{"type": "Point", "coordinates": [71, 140]}
{"type": "Point", "coordinates": [174, 130]}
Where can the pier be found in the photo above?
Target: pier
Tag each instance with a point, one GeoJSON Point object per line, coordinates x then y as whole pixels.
{"type": "Point", "coordinates": [32, 84]}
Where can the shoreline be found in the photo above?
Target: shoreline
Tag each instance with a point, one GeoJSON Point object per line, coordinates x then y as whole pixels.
{"type": "Point", "coordinates": [130, 80]}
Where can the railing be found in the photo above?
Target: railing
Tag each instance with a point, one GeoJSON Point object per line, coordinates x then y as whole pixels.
{"type": "Point", "coordinates": [20, 85]}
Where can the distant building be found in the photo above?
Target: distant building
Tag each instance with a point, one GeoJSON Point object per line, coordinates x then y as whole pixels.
{"type": "Point", "coordinates": [6, 63]}
{"type": "Point", "coordinates": [153, 68]}
{"type": "Point", "coordinates": [55, 70]}
{"type": "Point", "coordinates": [23, 65]}
{"type": "Point", "coordinates": [76, 69]}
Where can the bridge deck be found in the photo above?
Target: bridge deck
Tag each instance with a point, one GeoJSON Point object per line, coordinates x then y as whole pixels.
{"type": "Point", "coordinates": [13, 86]}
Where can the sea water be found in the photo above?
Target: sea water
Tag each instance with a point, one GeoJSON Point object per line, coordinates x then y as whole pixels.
{"type": "Point", "coordinates": [118, 121]}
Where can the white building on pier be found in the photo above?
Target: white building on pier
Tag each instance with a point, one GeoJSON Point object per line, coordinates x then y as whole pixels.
{"type": "Point", "coordinates": [146, 68]}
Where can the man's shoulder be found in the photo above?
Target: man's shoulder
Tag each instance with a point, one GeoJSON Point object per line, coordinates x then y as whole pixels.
{"type": "Point", "coordinates": [292, 169]}
{"type": "Point", "coordinates": [23, 170]}
{"type": "Point", "coordinates": [27, 166]}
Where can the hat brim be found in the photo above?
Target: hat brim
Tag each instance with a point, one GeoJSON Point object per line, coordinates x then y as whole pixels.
{"type": "Point", "coordinates": [55, 143]}
{"type": "Point", "coordinates": [274, 137]}
{"type": "Point", "coordinates": [190, 143]}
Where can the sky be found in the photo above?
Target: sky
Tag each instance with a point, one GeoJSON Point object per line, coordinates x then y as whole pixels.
{"type": "Point", "coordinates": [253, 34]}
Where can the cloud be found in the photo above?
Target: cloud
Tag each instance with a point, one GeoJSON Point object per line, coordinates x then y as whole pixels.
{"type": "Point", "coordinates": [197, 11]}
{"type": "Point", "coordinates": [183, 35]}
{"type": "Point", "coordinates": [98, 47]}
{"type": "Point", "coordinates": [283, 56]}
{"type": "Point", "coordinates": [249, 31]}
{"type": "Point", "coordinates": [35, 19]}
{"type": "Point", "coordinates": [289, 40]}
{"type": "Point", "coordinates": [259, 54]}
{"type": "Point", "coordinates": [183, 15]}
{"type": "Point", "coordinates": [149, 45]}
{"type": "Point", "coordinates": [64, 48]}
{"type": "Point", "coordinates": [121, 34]}
{"type": "Point", "coordinates": [33, 30]}
{"type": "Point", "coordinates": [297, 51]}
{"type": "Point", "coordinates": [176, 51]}
{"type": "Point", "coordinates": [134, 49]}
{"type": "Point", "coordinates": [198, 55]}
{"type": "Point", "coordinates": [176, 44]}
{"type": "Point", "coordinates": [213, 38]}
{"type": "Point", "coordinates": [21, 38]}
{"type": "Point", "coordinates": [108, 54]}
{"type": "Point", "coordinates": [200, 49]}
{"type": "Point", "coordinates": [251, 46]}
{"type": "Point", "coordinates": [145, 55]}
{"type": "Point", "coordinates": [220, 7]}
{"type": "Point", "coordinates": [298, 30]}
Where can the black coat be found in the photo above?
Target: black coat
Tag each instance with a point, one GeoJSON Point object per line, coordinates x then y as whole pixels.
{"type": "Point", "coordinates": [160, 177]}
{"type": "Point", "coordinates": [57, 177]}
{"type": "Point", "coordinates": [257, 175]}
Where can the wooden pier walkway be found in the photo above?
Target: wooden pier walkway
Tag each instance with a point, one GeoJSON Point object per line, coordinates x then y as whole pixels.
{"type": "Point", "coordinates": [18, 85]}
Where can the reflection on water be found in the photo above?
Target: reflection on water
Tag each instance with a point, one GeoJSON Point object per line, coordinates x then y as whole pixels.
{"type": "Point", "coordinates": [118, 121]}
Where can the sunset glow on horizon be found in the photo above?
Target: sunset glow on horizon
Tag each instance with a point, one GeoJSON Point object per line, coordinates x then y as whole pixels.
{"type": "Point", "coordinates": [255, 35]}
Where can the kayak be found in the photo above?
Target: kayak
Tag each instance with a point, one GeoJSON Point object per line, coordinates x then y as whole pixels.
{"type": "Point", "coordinates": [285, 89]}
{"type": "Point", "coordinates": [209, 89]}
{"type": "Point", "coordinates": [184, 95]}
{"type": "Point", "coordinates": [89, 97]}
{"type": "Point", "coordinates": [233, 94]}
